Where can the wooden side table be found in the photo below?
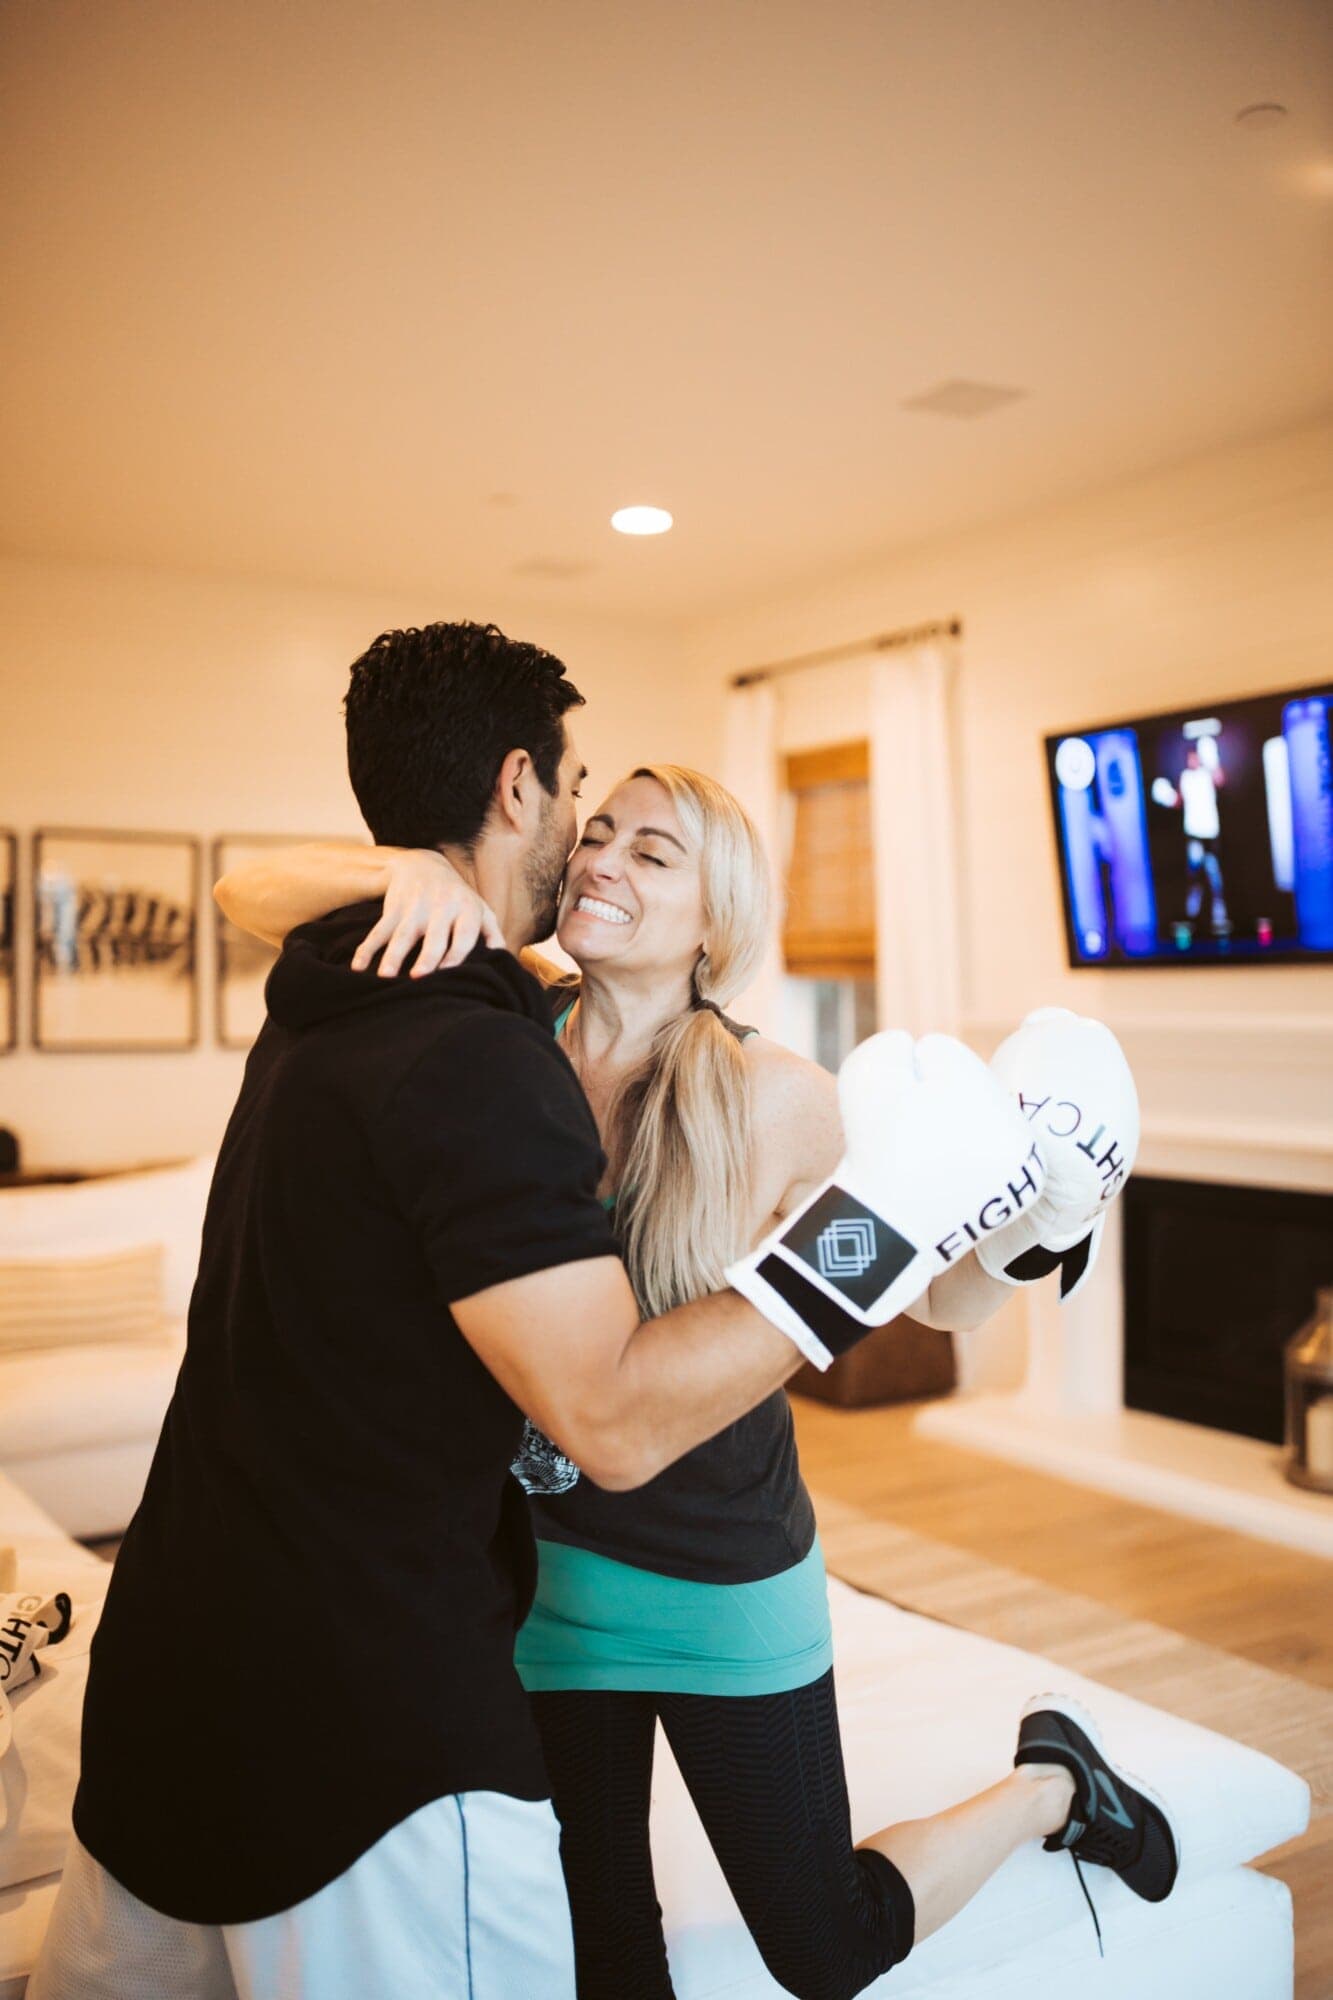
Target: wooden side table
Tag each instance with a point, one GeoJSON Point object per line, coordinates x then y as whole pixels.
{"type": "Point", "coordinates": [900, 1363]}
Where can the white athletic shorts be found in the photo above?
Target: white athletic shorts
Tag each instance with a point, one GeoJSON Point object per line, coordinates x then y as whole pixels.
{"type": "Point", "coordinates": [464, 1900]}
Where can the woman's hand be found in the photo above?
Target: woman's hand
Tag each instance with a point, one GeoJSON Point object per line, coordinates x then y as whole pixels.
{"type": "Point", "coordinates": [427, 902]}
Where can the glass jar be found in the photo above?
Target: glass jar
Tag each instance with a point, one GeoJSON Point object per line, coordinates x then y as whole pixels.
{"type": "Point", "coordinates": [1308, 1368]}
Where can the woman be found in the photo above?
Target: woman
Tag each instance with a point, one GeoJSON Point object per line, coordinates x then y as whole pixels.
{"type": "Point", "coordinates": [698, 1600]}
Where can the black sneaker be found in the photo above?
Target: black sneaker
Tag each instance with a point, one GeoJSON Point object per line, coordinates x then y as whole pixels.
{"type": "Point", "coordinates": [1117, 1824]}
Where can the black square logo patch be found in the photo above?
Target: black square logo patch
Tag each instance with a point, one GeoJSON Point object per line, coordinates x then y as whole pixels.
{"type": "Point", "coordinates": [851, 1247]}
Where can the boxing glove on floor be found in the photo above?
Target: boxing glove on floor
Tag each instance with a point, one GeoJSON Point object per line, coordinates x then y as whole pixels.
{"type": "Point", "coordinates": [938, 1154]}
{"type": "Point", "coordinates": [1070, 1079]}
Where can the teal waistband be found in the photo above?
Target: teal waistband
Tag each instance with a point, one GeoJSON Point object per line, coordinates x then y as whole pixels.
{"type": "Point", "coordinates": [596, 1623]}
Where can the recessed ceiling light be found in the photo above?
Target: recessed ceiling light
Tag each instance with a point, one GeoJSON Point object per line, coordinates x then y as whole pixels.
{"type": "Point", "coordinates": [961, 398]}
{"type": "Point", "coordinates": [641, 520]}
{"type": "Point", "coordinates": [1261, 117]}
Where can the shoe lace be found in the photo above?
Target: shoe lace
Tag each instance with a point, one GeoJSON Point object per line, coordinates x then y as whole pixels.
{"type": "Point", "coordinates": [1108, 1845]}
{"type": "Point", "coordinates": [1092, 1907]}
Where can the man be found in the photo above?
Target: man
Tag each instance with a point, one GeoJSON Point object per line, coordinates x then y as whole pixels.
{"type": "Point", "coordinates": [308, 1765]}
{"type": "Point", "coordinates": [1196, 796]}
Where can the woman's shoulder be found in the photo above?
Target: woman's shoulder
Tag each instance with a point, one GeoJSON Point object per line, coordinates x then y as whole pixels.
{"type": "Point", "coordinates": [787, 1090]}
{"type": "Point", "coordinates": [773, 1065]}
{"type": "Point", "coordinates": [795, 1125]}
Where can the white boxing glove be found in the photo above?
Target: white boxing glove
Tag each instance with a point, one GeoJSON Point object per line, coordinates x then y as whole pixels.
{"type": "Point", "coordinates": [27, 1624]}
{"type": "Point", "coordinates": [1073, 1085]}
{"type": "Point", "coordinates": [937, 1155]}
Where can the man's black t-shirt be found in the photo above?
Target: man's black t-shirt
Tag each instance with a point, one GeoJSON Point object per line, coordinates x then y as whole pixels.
{"type": "Point", "coordinates": [309, 1631]}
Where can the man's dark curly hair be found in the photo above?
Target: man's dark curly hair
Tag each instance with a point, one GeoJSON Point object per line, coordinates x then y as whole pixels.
{"type": "Point", "coordinates": [433, 712]}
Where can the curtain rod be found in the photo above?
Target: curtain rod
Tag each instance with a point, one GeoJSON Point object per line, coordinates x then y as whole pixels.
{"type": "Point", "coordinates": [881, 642]}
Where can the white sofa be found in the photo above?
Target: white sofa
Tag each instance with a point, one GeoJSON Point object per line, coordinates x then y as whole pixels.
{"type": "Point", "coordinates": [928, 1714]}
{"type": "Point", "coordinates": [78, 1424]}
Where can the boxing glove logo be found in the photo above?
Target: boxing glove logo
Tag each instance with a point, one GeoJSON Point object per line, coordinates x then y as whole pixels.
{"type": "Point", "coordinates": [851, 1248]}
{"type": "Point", "coordinates": [846, 1249]}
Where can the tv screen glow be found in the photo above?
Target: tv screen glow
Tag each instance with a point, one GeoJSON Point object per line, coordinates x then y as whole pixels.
{"type": "Point", "coordinates": [1201, 837]}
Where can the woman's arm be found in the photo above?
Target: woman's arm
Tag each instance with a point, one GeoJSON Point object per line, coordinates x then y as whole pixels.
{"type": "Point", "coordinates": [426, 902]}
{"type": "Point", "coordinates": [294, 885]}
{"type": "Point", "coordinates": [798, 1143]}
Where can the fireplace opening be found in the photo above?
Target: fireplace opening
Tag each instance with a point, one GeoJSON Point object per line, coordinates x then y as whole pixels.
{"type": "Point", "coordinates": [1216, 1279]}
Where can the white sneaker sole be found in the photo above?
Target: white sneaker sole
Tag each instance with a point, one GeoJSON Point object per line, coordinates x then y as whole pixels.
{"type": "Point", "coordinates": [1064, 1704]}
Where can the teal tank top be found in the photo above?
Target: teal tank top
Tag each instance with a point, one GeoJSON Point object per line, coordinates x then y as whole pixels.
{"type": "Point", "coordinates": [597, 1622]}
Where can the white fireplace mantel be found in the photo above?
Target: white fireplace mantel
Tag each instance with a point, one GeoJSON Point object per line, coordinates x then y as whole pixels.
{"type": "Point", "coordinates": [1069, 1418]}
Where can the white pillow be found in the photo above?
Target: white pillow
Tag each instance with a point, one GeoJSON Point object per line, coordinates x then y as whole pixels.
{"type": "Point", "coordinates": [157, 1205]}
{"type": "Point", "coordinates": [82, 1296]}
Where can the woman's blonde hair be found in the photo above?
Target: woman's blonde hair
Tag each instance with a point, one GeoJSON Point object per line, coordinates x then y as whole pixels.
{"type": "Point", "coordinates": [681, 1123]}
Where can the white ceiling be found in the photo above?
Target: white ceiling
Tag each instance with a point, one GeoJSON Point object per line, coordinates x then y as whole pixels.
{"type": "Point", "coordinates": [415, 293]}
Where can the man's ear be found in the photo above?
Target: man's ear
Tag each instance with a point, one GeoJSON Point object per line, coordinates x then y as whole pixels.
{"type": "Point", "coordinates": [512, 789]}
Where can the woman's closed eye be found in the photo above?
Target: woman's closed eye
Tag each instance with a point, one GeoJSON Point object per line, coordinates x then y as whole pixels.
{"type": "Point", "coordinates": [640, 854]}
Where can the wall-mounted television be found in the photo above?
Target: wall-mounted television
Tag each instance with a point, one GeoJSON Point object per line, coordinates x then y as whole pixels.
{"type": "Point", "coordinates": [1199, 837]}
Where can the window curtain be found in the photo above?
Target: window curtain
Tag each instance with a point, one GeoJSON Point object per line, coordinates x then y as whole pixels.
{"type": "Point", "coordinates": [918, 935]}
{"type": "Point", "coordinates": [750, 770]}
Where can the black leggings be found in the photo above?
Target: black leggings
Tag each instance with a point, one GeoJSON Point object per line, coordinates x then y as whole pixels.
{"type": "Point", "coordinates": [766, 1776]}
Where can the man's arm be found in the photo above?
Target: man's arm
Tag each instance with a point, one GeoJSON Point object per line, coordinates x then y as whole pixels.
{"type": "Point", "coordinates": [492, 1151]}
{"type": "Point", "coordinates": [623, 1398]}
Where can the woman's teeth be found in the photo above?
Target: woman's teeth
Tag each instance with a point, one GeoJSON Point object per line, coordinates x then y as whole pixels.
{"type": "Point", "coordinates": [608, 912]}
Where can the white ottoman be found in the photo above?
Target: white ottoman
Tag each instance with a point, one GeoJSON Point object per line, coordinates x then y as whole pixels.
{"type": "Point", "coordinates": [929, 1715]}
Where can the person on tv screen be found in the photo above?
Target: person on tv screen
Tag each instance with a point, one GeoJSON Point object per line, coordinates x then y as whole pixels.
{"type": "Point", "coordinates": [1196, 797]}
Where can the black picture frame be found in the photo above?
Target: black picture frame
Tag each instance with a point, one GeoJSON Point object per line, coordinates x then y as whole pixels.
{"type": "Point", "coordinates": [116, 912]}
{"type": "Point", "coordinates": [9, 902]}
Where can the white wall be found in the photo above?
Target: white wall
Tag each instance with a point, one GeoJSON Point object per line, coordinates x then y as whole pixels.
{"type": "Point", "coordinates": [1210, 579]}
{"type": "Point", "coordinates": [202, 705]}
{"type": "Point", "coordinates": [163, 701]}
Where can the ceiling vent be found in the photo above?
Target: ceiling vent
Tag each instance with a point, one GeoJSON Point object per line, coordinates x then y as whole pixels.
{"type": "Point", "coordinates": [960, 398]}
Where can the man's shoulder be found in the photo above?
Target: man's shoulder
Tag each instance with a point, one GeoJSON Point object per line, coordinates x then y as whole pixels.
{"type": "Point", "coordinates": [479, 1054]}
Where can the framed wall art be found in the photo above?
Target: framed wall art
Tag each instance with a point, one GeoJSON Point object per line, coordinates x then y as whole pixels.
{"type": "Point", "coordinates": [9, 850]}
{"type": "Point", "coordinates": [116, 923]}
{"type": "Point", "coordinates": [242, 962]}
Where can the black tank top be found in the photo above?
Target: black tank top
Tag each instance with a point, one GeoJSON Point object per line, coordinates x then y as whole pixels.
{"type": "Point", "coordinates": [733, 1510]}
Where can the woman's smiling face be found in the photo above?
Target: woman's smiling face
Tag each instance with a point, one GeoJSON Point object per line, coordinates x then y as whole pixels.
{"type": "Point", "coordinates": [633, 895]}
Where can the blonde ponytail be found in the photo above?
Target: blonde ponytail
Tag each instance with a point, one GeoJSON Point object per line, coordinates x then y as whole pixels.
{"type": "Point", "coordinates": [683, 1120]}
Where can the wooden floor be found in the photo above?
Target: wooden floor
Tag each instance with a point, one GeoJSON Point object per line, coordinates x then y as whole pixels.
{"type": "Point", "coordinates": [1236, 1599]}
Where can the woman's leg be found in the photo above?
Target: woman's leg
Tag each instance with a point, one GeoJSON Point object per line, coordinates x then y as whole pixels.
{"type": "Point", "coordinates": [766, 1774]}
{"type": "Point", "coordinates": [947, 1857]}
{"type": "Point", "coordinates": [598, 1747]}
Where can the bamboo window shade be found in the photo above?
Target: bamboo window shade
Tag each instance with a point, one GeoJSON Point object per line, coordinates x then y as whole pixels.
{"type": "Point", "coordinates": [829, 928]}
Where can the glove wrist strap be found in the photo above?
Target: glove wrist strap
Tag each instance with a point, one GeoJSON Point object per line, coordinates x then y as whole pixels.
{"type": "Point", "coordinates": [1039, 1262]}
{"type": "Point", "coordinates": [829, 1328]}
